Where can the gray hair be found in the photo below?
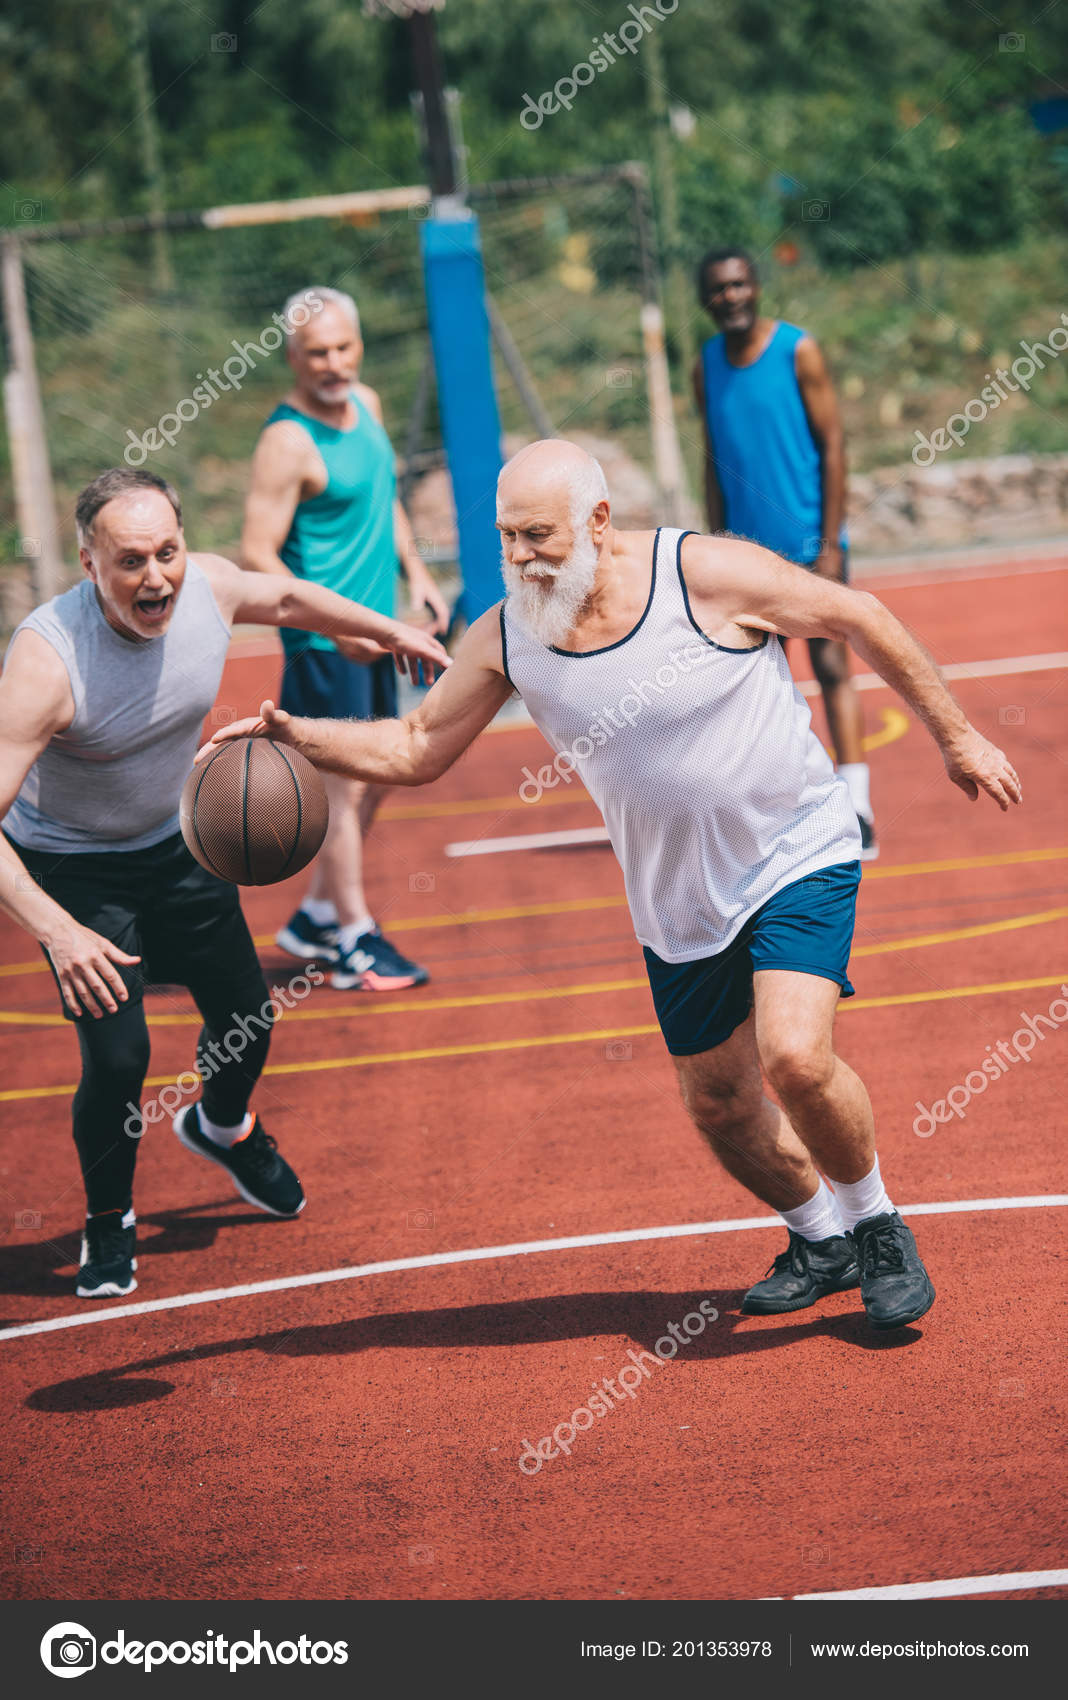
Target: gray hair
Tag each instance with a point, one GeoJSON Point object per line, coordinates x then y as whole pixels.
{"type": "Point", "coordinates": [118, 481]}
{"type": "Point", "coordinates": [302, 307]}
{"type": "Point", "coordinates": [587, 486]}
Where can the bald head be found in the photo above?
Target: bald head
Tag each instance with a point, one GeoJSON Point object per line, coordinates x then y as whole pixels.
{"type": "Point", "coordinates": [553, 476]}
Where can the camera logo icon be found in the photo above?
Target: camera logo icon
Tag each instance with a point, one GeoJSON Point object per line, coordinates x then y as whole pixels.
{"type": "Point", "coordinates": [68, 1649]}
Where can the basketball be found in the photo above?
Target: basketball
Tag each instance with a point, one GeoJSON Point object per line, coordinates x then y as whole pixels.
{"type": "Point", "coordinates": [253, 812]}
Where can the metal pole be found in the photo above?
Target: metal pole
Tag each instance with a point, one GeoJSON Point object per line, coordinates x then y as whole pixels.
{"type": "Point", "coordinates": [427, 61]}
{"type": "Point", "coordinates": [677, 506]}
{"type": "Point", "coordinates": [678, 304]}
{"type": "Point", "coordinates": [518, 371]}
{"type": "Point", "coordinates": [145, 95]}
{"type": "Point", "coordinates": [32, 474]}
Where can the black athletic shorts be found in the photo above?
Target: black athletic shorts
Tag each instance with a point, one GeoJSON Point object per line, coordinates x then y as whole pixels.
{"type": "Point", "coordinates": [320, 684]}
{"type": "Point", "coordinates": [160, 904]}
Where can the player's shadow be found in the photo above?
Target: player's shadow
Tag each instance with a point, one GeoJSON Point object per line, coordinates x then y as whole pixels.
{"type": "Point", "coordinates": [44, 1267]}
{"type": "Point", "coordinates": [640, 1318]}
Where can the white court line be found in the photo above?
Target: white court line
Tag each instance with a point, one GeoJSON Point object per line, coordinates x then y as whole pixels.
{"type": "Point", "coordinates": [1007, 1584]}
{"type": "Point", "coordinates": [961, 670]}
{"type": "Point", "coordinates": [481, 1254]}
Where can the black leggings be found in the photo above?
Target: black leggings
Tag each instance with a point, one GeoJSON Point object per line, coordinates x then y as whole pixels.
{"type": "Point", "coordinates": [108, 1124]}
{"type": "Point", "coordinates": [187, 927]}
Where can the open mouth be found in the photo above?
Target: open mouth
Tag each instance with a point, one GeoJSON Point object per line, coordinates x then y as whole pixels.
{"type": "Point", "coordinates": [153, 607]}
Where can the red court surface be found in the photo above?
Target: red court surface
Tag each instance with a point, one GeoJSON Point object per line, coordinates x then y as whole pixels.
{"type": "Point", "coordinates": [356, 1433]}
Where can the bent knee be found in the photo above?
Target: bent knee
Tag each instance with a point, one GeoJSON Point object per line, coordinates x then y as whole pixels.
{"type": "Point", "coordinates": [830, 662]}
{"type": "Point", "coordinates": [799, 1071]}
{"type": "Point", "coordinates": [719, 1110]}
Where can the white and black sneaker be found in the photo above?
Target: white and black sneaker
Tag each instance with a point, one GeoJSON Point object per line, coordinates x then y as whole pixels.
{"type": "Point", "coordinates": [107, 1262]}
{"type": "Point", "coordinates": [303, 937]}
{"type": "Point", "coordinates": [260, 1174]}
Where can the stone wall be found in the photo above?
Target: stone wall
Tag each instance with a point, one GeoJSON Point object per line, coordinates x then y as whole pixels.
{"type": "Point", "coordinates": [897, 510]}
{"type": "Point", "coordinates": [955, 502]}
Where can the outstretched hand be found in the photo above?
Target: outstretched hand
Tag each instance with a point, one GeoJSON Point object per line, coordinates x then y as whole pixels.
{"type": "Point", "coordinates": [271, 722]}
{"type": "Point", "coordinates": [975, 764]}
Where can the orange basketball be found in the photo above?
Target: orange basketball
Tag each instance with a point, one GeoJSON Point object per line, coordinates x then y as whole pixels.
{"type": "Point", "coordinates": [254, 812]}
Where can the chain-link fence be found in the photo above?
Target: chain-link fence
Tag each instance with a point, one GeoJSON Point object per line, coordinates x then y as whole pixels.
{"type": "Point", "coordinates": [180, 374]}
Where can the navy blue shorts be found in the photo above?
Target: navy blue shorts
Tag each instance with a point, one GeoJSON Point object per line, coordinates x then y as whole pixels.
{"type": "Point", "coordinates": [320, 684]}
{"type": "Point", "coordinates": [807, 927]}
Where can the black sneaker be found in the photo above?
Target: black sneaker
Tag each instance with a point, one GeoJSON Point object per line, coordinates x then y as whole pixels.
{"type": "Point", "coordinates": [303, 937]}
{"type": "Point", "coordinates": [869, 844]}
{"type": "Point", "coordinates": [107, 1263]}
{"type": "Point", "coordinates": [375, 965]}
{"type": "Point", "coordinates": [803, 1273]}
{"type": "Point", "coordinates": [260, 1175]}
{"type": "Point", "coordinates": [894, 1284]}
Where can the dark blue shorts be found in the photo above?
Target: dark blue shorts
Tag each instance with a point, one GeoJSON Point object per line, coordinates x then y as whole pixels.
{"type": "Point", "coordinates": [320, 684]}
{"type": "Point", "coordinates": [806, 927]}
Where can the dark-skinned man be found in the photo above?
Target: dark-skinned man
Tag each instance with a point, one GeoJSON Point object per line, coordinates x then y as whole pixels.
{"type": "Point", "coordinates": [775, 470]}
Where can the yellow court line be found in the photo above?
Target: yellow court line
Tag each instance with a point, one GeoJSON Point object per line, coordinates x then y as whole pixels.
{"type": "Point", "coordinates": [895, 725]}
{"type": "Point", "coordinates": [957, 864]}
{"type": "Point", "coordinates": [481, 805]}
{"type": "Point", "coordinates": [19, 1018]}
{"type": "Point", "coordinates": [1008, 925]}
{"type": "Point", "coordinates": [487, 1046]}
{"type": "Point", "coordinates": [570, 906]}
{"type": "Point", "coordinates": [474, 1000]}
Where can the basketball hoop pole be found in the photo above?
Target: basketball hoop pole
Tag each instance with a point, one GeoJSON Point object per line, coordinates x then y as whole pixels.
{"type": "Point", "coordinates": [460, 336]}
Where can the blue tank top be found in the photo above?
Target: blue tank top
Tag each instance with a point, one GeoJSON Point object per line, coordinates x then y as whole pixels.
{"type": "Point", "coordinates": [767, 462]}
{"type": "Point", "coordinates": [343, 537]}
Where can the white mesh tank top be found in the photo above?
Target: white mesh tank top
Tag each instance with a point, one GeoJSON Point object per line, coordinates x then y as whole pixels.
{"type": "Point", "coordinates": [714, 788]}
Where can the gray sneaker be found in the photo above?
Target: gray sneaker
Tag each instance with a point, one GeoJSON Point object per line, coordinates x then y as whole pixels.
{"type": "Point", "coordinates": [803, 1273]}
{"type": "Point", "coordinates": [894, 1285]}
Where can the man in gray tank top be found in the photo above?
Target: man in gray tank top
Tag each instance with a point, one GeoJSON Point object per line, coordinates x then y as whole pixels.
{"type": "Point", "coordinates": [649, 662]}
{"type": "Point", "coordinates": [102, 697]}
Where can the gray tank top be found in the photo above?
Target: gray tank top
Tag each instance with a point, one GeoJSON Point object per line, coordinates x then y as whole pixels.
{"type": "Point", "coordinates": [112, 780]}
{"type": "Point", "coordinates": [714, 788]}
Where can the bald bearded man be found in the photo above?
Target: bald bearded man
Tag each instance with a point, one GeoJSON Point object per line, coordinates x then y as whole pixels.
{"type": "Point", "coordinates": [738, 842]}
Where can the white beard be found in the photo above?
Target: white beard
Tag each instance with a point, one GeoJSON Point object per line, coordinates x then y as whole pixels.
{"type": "Point", "coordinates": [549, 615]}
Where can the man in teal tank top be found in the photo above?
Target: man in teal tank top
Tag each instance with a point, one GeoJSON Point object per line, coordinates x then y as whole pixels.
{"type": "Point", "coordinates": [775, 471]}
{"type": "Point", "coordinates": [323, 505]}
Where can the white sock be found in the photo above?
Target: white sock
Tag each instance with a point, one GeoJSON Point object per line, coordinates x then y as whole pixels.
{"type": "Point", "coordinates": [858, 1200]}
{"type": "Point", "coordinates": [226, 1136]}
{"type": "Point", "coordinates": [857, 777]}
{"type": "Point", "coordinates": [347, 936]}
{"type": "Point", "coordinates": [129, 1220]}
{"type": "Point", "coordinates": [320, 911]}
{"type": "Point", "coordinates": [819, 1219]}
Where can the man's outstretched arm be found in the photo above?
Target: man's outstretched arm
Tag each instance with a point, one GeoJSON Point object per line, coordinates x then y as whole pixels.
{"type": "Point", "coordinates": [411, 751]}
{"type": "Point", "coordinates": [739, 582]}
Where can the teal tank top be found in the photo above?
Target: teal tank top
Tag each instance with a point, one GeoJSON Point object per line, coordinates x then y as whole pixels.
{"type": "Point", "coordinates": [343, 538]}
